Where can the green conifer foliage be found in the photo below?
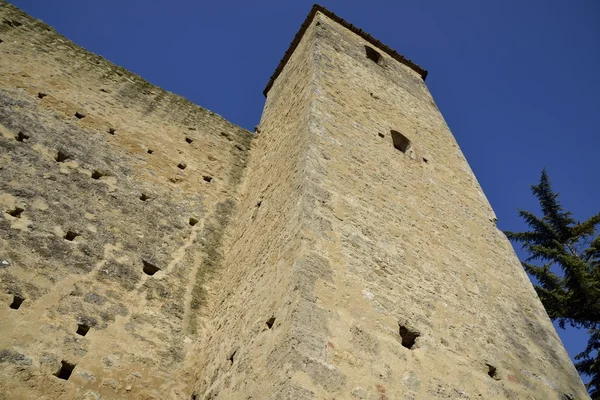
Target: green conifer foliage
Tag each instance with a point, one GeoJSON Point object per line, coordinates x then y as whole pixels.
{"type": "Point", "coordinates": [564, 258]}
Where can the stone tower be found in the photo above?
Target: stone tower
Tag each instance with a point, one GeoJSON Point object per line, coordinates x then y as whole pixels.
{"type": "Point", "coordinates": [152, 250]}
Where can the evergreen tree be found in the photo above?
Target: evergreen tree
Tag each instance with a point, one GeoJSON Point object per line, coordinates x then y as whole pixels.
{"type": "Point", "coordinates": [564, 258]}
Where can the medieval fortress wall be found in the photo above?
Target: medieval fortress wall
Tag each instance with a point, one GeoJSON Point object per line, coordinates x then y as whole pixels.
{"type": "Point", "coordinates": [143, 182]}
{"type": "Point", "coordinates": [149, 249]}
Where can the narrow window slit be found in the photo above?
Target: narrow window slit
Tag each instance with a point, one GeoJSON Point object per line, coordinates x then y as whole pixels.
{"type": "Point", "coordinates": [65, 371]}
{"type": "Point", "coordinates": [193, 221]}
{"type": "Point", "coordinates": [17, 301]}
{"type": "Point", "coordinates": [149, 268]}
{"type": "Point", "coordinates": [16, 212]}
{"type": "Point", "coordinates": [373, 54]}
{"type": "Point", "coordinates": [408, 337]}
{"type": "Point", "coordinates": [82, 329]}
{"type": "Point", "coordinates": [401, 142]}
{"type": "Point", "coordinates": [79, 115]}
{"type": "Point", "coordinates": [207, 178]}
{"type": "Point", "coordinates": [70, 235]}
{"type": "Point", "coordinates": [270, 322]}
{"type": "Point", "coordinates": [189, 140]}
{"type": "Point", "coordinates": [61, 157]}
{"type": "Point", "coordinates": [21, 137]}
{"type": "Point", "coordinates": [232, 356]}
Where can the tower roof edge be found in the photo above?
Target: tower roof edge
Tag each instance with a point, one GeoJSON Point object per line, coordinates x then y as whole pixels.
{"type": "Point", "coordinates": [318, 8]}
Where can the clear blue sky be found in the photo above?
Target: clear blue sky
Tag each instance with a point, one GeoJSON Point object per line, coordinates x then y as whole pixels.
{"type": "Point", "coordinates": [517, 81]}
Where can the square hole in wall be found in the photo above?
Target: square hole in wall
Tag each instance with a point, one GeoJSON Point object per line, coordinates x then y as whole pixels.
{"type": "Point", "coordinates": [149, 268]}
{"type": "Point", "coordinates": [70, 235]}
{"type": "Point", "coordinates": [21, 137]}
{"type": "Point", "coordinates": [65, 371]}
{"type": "Point", "coordinates": [373, 54]}
{"type": "Point", "coordinates": [408, 337]}
{"type": "Point", "coordinates": [401, 142]}
{"type": "Point", "coordinates": [83, 329]}
{"type": "Point", "coordinates": [61, 156]}
{"type": "Point", "coordinates": [492, 371]}
{"type": "Point", "coordinates": [97, 174]}
{"type": "Point", "coordinates": [17, 301]}
{"type": "Point", "coordinates": [16, 212]}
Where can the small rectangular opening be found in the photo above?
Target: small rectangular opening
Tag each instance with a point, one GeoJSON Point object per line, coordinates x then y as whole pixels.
{"type": "Point", "coordinates": [21, 137]}
{"type": "Point", "coordinates": [270, 322]}
{"type": "Point", "coordinates": [61, 157]}
{"type": "Point", "coordinates": [16, 212]}
{"type": "Point", "coordinates": [149, 268]}
{"type": "Point", "coordinates": [401, 142]}
{"type": "Point", "coordinates": [373, 54]}
{"type": "Point", "coordinates": [70, 235]}
{"type": "Point", "coordinates": [82, 329]}
{"type": "Point", "coordinates": [65, 371]}
{"type": "Point", "coordinates": [17, 301]}
{"type": "Point", "coordinates": [408, 337]}
{"type": "Point", "coordinates": [97, 174]}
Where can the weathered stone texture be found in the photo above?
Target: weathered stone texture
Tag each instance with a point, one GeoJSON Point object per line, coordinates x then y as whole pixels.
{"type": "Point", "coordinates": [411, 243]}
{"type": "Point", "coordinates": [114, 177]}
{"type": "Point", "coordinates": [381, 249]}
{"type": "Point", "coordinates": [313, 261]}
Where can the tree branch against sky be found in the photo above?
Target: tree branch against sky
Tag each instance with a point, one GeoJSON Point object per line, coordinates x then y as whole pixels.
{"type": "Point", "coordinates": [564, 260]}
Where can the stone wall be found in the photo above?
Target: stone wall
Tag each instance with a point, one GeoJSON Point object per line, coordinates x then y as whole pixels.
{"type": "Point", "coordinates": [114, 196]}
{"type": "Point", "coordinates": [149, 249]}
{"type": "Point", "coordinates": [426, 297]}
{"type": "Point", "coordinates": [253, 352]}
{"type": "Point", "coordinates": [366, 240]}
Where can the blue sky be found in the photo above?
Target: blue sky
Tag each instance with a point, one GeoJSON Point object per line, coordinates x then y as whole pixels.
{"type": "Point", "coordinates": [517, 81]}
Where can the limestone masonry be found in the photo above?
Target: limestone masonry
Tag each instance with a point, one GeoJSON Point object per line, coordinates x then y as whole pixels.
{"type": "Point", "coordinates": [150, 249]}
